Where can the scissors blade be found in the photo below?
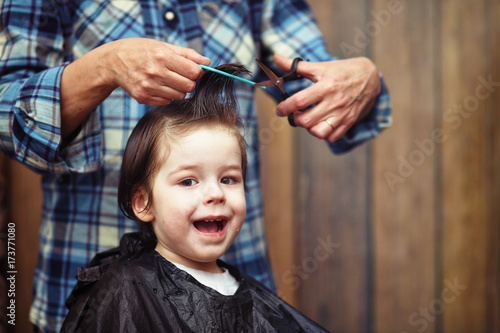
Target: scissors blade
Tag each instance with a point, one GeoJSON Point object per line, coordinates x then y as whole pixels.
{"type": "Point", "coordinates": [275, 81]}
{"type": "Point", "coordinates": [215, 70]}
{"type": "Point", "coordinates": [267, 83]}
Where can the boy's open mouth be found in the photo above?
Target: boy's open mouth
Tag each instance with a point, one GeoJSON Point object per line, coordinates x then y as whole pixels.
{"type": "Point", "coordinates": [210, 226]}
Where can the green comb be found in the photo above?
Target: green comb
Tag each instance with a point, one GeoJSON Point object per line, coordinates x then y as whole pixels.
{"type": "Point", "coordinates": [231, 76]}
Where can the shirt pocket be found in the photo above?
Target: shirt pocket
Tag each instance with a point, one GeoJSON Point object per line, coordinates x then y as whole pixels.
{"type": "Point", "coordinates": [97, 22]}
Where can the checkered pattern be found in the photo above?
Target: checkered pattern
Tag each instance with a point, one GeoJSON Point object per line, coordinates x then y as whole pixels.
{"type": "Point", "coordinates": [80, 212]}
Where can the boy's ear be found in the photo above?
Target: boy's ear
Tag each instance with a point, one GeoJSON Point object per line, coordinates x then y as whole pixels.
{"type": "Point", "coordinates": [140, 206]}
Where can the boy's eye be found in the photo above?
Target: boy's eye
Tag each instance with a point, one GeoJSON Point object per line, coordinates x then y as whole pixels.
{"type": "Point", "coordinates": [228, 180]}
{"type": "Point", "coordinates": [188, 182]}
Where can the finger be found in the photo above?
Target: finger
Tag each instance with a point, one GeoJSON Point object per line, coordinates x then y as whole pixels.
{"type": "Point", "coordinates": [191, 55]}
{"type": "Point", "coordinates": [155, 94]}
{"type": "Point", "coordinates": [158, 101]}
{"type": "Point", "coordinates": [169, 93]}
{"type": "Point", "coordinates": [337, 133]}
{"type": "Point", "coordinates": [176, 81]}
{"type": "Point", "coordinates": [154, 100]}
{"type": "Point", "coordinates": [323, 129]}
{"type": "Point", "coordinates": [183, 66]}
{"type": "Point", "coordinates": [298, 101]}
{"type": "Point", "coordinates": [187, 63]}
{"type": "Point", "coordinates": [315, 114]}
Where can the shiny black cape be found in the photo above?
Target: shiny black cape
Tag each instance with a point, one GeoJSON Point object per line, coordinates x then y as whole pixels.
{"type": "Point", "coordinates": [131, 289]}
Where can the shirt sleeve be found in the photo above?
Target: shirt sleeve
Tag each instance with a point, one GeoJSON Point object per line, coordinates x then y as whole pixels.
{"type": "Point", "coordinates": [35, 50]}
{"type": "Point", "coordinates": [289, 28]}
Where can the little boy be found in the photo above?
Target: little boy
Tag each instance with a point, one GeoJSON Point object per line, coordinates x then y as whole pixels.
{"type": "Point", "coordinates": [182, 181]}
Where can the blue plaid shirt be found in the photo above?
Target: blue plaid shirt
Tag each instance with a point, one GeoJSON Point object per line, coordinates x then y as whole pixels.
{"type": "Point", "coordinates": [80, 211]}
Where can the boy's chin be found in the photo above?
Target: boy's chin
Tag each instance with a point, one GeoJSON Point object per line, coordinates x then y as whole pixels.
{"type": "Point", "coordinates": [211, 255]}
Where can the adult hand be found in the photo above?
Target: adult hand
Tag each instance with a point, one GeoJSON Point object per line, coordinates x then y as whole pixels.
{"type": "Point", "coordinates": [344, 91]}
{"type": "Point", "coordinates": [152, 72]}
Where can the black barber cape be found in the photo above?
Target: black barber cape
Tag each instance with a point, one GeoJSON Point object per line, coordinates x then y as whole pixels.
{"type": "Point", "coordinates": [132, 289]}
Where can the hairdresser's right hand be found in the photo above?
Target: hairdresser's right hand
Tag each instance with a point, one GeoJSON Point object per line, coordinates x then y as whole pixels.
{"type": "Point", "coordinates": [152, 72]}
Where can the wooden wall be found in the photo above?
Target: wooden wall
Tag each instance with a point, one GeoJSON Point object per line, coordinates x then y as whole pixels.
{"type": "Point", "coordinates": [400, 235]}
{"type": "Point", "coordinates": [24, 202]}
{"type": "Point", "coordinates": [412, 218]}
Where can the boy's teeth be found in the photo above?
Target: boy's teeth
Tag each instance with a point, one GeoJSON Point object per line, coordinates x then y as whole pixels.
{"type": "Point", "coordinates": [209, 225]}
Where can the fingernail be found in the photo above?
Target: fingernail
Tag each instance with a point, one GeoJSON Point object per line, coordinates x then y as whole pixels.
{"type": "Point", "coordinates": [279, 113]}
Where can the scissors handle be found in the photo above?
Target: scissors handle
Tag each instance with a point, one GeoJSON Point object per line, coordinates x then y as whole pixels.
{"type": "Point", "coordinates": [292, 75]}
{"type": "Point", "coordinates": [291, 119]}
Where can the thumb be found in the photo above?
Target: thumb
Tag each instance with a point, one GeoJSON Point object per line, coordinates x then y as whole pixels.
{"type": "Point", "coordinates": [304, 68]}
{"type": "Point", "coordinates": [284, 63]}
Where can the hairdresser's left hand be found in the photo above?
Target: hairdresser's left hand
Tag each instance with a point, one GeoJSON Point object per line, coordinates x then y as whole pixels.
{"type": "Point", "coordinates": [344, 91]}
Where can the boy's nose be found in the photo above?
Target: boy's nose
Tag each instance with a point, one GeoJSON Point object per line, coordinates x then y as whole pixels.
{"type": "Point", "coordinates": [214, 194]}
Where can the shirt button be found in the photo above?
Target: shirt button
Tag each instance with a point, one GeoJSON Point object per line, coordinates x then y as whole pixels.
{"type": "Point", "coordinates": [169, 15]}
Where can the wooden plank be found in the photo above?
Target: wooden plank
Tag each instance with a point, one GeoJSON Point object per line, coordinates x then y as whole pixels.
{"type": "Point", "coordinates": [332, 270]}
{"type": "Point", "coordinates": [404, 168]}
{"type": "Point", "coordinates": [276, 138]}
{"type": "Point", "coordinates": [25, 211]}
{"type": "Point", "coordinates": [4, 231]}
{"type": "Point", "coordinates": [493, 173]}
{"type": "Point", "coordinates": [465, 218]}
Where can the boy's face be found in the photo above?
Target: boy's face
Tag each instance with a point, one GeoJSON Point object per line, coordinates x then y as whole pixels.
{"type": "Point", "coordinates": [198, 198]}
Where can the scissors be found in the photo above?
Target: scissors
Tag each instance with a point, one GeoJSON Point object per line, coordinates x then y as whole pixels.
{"type": "Point", "coordinates": [276, 81]}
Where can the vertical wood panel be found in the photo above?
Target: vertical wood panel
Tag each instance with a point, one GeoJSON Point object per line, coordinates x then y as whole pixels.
{"type": "Point", "coordinates": [4, 221]}
{"type": "Point", "coordinates": [25, 211]}
{"type": "Point", "coordinates": [493, 164]}
{"type": "Point", "coordinates": [404, 162]}
{"type": "Point", "coordinates": [464, 164]}
{"type": "Point", "coordinates": [277, 158]}
{"type": "Point", "coordinates": [332, 269]}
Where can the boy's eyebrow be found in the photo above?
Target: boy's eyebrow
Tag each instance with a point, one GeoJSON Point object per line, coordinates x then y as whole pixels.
{"type": "Point", "coordinates": [184, 167]}
{"type": "Point", "coordinates": [233, 167]}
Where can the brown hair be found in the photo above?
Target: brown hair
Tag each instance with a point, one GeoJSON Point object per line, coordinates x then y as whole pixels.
{"type": "Point", "coordinates": [213, 102]}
